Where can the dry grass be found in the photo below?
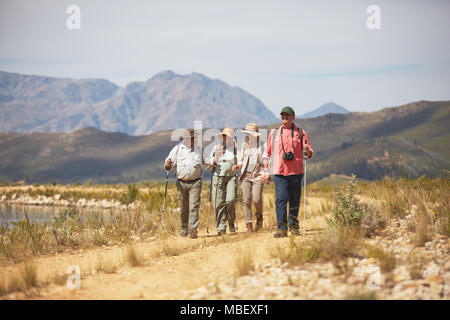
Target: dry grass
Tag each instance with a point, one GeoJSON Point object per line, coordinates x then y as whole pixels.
{"type": "Point", "coordinates": [132, 257]}
{"type": "Point", "coordinates": [244, 262]}
{"type": "Point", "coordinates": [386, 259]}
{"type": "Point", "coordinates": [416, 266]}
{"type": "Point", "coordinates": [24, 280]}
{"type": "Point", "coordinates": [102, 266]}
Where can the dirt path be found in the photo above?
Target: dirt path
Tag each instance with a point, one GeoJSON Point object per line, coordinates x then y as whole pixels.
{"type": "Point", "coordinates": [160, 278]}
{"type": "Point", "coordinates": [170, 268]}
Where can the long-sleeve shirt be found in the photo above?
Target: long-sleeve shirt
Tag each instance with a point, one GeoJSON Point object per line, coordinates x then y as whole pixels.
{"type": "Point", "coordinates": [254, 155]}
{"type": "Point", "coordinates": [224, 163]}
{"type": "Point", "coordinates": [286, 167]}
{"type": "Point", "coordinates": [250, 159]}
{"type": "Point", "coordinates": [187, 161]}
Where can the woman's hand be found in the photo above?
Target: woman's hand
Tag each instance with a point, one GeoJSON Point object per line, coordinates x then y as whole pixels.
{"type": "Point", "coordinates": [265, 178]}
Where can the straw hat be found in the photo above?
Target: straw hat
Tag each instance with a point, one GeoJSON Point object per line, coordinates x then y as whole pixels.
{"type": "Point", "coordinates": [226, 131]}
{"type": "Point", "coordinates": [252, 129]}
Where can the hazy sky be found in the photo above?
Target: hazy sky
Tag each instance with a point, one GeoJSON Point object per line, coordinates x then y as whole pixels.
{"type": "Point", "coordinates": [299, 53]}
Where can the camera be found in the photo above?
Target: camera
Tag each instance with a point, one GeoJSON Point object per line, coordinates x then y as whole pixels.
{"type": "Point", "coordinates": [288, 156]}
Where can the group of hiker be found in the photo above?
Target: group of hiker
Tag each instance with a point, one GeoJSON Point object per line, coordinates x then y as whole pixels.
{"type": "Point", "coordinates": [250, 166]}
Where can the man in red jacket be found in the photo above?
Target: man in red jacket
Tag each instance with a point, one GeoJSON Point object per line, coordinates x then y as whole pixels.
{"type": "Point", "coordinates": [286, 144]}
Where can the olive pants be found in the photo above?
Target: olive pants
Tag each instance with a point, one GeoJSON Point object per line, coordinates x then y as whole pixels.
{"type": "Point", "coordinates": [224, 201]}
{"type": "Point", "coordinates": [189, 203]}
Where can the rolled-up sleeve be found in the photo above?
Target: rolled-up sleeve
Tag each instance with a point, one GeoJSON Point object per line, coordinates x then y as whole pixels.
{"type": "Point", "coordinates": [210, 159]}
{"type": "Point", "coordinates": [172, 156]}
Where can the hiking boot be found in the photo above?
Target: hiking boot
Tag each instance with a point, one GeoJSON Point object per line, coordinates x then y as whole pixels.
{"type": "Point", "coordinates": [193, 234]}
{"type": "Point", "coordinates": [280, 234]}
{"type": "Point", "coordinates": [295, 232]}
{"type": "Point", "coordinates": [221, 232]}
{"type": "Point", "coordinates": [232, 227]}
{"type": "Point", "coordinates": [259, 223]}
{"type": "Point", "coordinates": [249, 227]}
{"type": "Point", "coordinates": [183, 233]}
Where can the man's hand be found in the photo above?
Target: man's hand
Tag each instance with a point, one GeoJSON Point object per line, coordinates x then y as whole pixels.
{"type": "Point", "coordinates": [168, 165]}
{"type": "Point", "coordinates": [307, 151]}
{"type": "Point", "coordinates": [235, 168]}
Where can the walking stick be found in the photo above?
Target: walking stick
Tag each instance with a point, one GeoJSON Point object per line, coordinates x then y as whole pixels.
{"type": "Point", "coordinates": [304, 199]}
{"type": "Point", "coordinates": [164, 202]}
{"type": "Point", "coordinates": [210, 204]}
{"type": "Point", "coordinates": [235, 189]}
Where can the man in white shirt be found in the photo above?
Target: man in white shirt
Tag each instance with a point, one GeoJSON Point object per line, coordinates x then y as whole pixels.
{"type": "Point", "coordinates": [187, 159]}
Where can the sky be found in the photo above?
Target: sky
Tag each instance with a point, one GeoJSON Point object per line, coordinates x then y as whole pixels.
{"type": "Point", "coordinates": [298, 53]}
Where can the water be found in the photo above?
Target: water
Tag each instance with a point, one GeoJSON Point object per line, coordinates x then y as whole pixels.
{"type": "Point", "coordinates": [38, 214]}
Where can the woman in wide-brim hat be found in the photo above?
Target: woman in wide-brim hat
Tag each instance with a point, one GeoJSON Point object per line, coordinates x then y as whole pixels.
{"type": "Point", "coordinates": [250, 163]}
{"type": "Point", "coordinates": [223, 157]}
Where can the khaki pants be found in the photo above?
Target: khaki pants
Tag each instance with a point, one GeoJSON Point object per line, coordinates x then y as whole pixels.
{"type": "Point", "coordinates": [251, 192]}
{"type": "Point", "coordinates": [224, 201]}
{"type": "Point", "coordinates": [189, 203]}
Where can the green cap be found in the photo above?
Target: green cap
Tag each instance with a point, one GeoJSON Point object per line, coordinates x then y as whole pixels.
{"type": "Point", "coordinates": [288, 110]}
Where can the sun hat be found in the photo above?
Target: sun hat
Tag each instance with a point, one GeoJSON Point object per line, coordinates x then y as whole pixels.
{"type": "Point", "coordinates": [252, 129]}
{"type": "Point", "coordinates": [288, 110]}
{"type": "Point", "coordinates": [227, 132]}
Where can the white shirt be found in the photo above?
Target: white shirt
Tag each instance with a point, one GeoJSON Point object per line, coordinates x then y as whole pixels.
{"type": "Point", "coordinates": [188, 162]}
{"type": "Point", "coordinates": [224, 163]}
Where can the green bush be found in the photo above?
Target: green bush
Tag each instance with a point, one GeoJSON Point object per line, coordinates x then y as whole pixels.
{"type": "Point", "coordinates": [347, 211]}
{"type": "Point", "coordinates": [131, 195]}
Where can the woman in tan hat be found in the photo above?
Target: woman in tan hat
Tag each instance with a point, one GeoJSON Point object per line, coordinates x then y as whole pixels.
{"type": "Point", "coordinates": [249, 160]}
{"type": "Point", "coordinates": [223, 157]}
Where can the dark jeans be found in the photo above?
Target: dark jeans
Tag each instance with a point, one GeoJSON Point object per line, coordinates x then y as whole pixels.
{"type": "Point", "coordinates": [288, 189]}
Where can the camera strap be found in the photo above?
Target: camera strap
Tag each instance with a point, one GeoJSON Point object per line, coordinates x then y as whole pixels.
{"type": "Point", "coordinates": [300, 132]}
{"type": "Point", "coordinates": [292, 138]}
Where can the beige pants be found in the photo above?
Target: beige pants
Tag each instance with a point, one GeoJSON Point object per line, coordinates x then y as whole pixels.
{"type": "Point", "coordinates": [252, 191]}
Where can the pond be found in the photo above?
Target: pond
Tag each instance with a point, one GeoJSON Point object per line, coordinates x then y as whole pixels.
{"type": "Point", "coordinates": [41, 214]}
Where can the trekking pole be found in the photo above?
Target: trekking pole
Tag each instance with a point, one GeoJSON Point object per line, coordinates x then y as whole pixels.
{"type": "Point", "coordinates": [210, 204]}
{"type": "Point", "coordinates": [235, 189]}
{"type": "Point", "coordinates": [304, 200]}
{"type": "Point", "coordinates": [164, 202]}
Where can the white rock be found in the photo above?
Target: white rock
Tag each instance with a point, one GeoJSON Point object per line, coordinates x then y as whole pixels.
{"type": "Point", "coordinates": [433, 269]}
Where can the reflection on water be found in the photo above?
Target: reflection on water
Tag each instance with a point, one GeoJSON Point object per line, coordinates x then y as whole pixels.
{"type": "Point", "coordinates": [40, 214]}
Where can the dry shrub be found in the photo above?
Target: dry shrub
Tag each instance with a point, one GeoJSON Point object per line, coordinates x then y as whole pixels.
{"type": "Point", "coordinates": [132, 257]}
{"type": "Point", "coordinates": [244, 263]}
{"type": "Point", "coordinates": [385, 258]}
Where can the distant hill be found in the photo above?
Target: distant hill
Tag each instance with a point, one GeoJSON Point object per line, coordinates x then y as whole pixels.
{"type": "Point", "coordinates": [412, 139]}
{"type": "Point", "coordinates": [327, 108]}
{"type": "Point", "coordinates": [165, 101]}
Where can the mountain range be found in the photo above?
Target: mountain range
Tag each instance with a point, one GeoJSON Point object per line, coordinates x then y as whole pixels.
{"type": "Point", "coordinates": [30, 103]}
{"type": "Point", "coordinates": [327, 108]}
{"type": "Point", "coordinates": [408, 140]}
